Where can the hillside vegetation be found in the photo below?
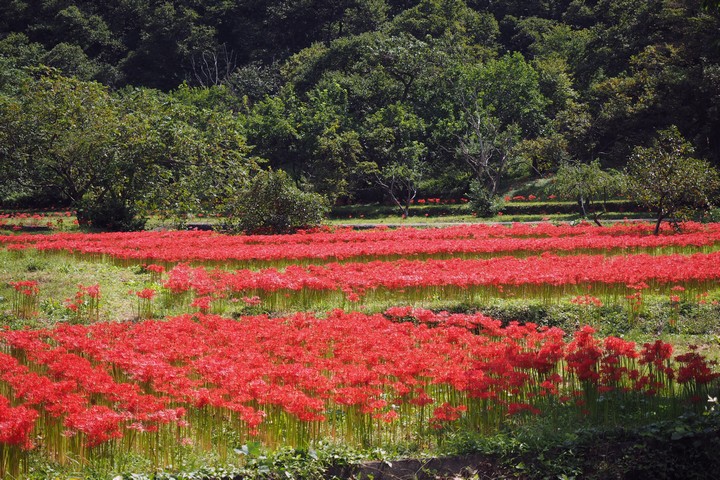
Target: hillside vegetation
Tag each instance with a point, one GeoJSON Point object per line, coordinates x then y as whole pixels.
{"type": "Point", "coordinates": [124, 108]}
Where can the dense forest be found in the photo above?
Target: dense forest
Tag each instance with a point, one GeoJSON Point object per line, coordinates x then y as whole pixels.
{"type": "Point", "coordinates": [134, 106]}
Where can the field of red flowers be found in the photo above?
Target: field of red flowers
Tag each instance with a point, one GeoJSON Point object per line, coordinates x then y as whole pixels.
{"type": "Point", "coordinates": [185, 374]}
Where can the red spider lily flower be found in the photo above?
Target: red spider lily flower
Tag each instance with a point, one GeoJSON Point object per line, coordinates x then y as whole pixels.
{"type": "Point", "coordinates": [638, 286]}
{"type": "Point", "coordinates": [16, 424]}
{"type": "Point", "coordinates": [98, 423]}
{"type": "Point", "coordinates": [387, 417]}
{"type": "Point", "coordinates": [186, 246]}
{"type": "Point", "coordinates": [446, 413]}
{"type": "Point", "coordinates": [202, 303]}
{"type": "Point", "coordinates": [656, 353]}
{"type": "Point", "coordinates": [26, 287]}
{"type": "Point", "coordinates": [694, 368]}
{"type": "Point", "coordinates": [252, 301]}
{"type": "Point", "coordinates": [305, 368]}
{"type": "Point", "coordinates": [586, 300]}
{"type": "Point", "coordinates": [155, 268]}
{"type": "Point", "coordinates": [92, 291]}
{"type": "Point", "coordinates": [516, 408]}
{"type": "Point", "coordinates": [146, 293]}
{"type": "Point", "coordinates": [583, 355]}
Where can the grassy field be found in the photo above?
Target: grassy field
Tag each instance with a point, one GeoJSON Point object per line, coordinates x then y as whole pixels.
{"type": "Point", "coordinates": [520, 449]}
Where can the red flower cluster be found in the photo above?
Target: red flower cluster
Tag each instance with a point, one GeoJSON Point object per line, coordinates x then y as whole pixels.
{"type": "Point", "coordinates": [71, 387]}
{"type": "Point", "coordinates": [85, 306]}
{"type": "Point", "coordinates": [26, 287]}
{"type": "Point", "coordinates": [546, 270]}
{"type": "Point", "coordinates": [440, 201]}
{"type": "Point", "coordinates": [16, 423]}
{"type": "Point", "coordinates": [145, 294]}
{"type": "Point", "coordinates": [25, 301]}
{"type": "Point", "coordinates": [107, 379]}
{"type": "Point", "coordinates": [17, 221]}
{"type": "Point", "coordinates": [588, 300]}
{"type": "Point", "coordinates": [344, 244]}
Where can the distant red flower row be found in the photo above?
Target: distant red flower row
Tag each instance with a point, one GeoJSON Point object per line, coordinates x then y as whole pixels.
{"type": "Point", "coordinates": [343, 244]}
{"type": "Point", "coordinates": [546, 269]}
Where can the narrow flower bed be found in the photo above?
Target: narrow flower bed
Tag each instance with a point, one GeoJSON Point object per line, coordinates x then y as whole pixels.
{"type": "Point", "coordinates": [347, 244]}
{"type": "Point", "coordinates": [545, 276]}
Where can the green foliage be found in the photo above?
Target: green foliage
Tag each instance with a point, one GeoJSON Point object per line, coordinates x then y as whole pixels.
{"type": "Point", "coordinates": [271, 203]}
{"type": "Point", "coordinates": [666, 178]}
{"type": "Point", "coordinates": [115, 157]}
{"type": "Point", "coordinates": [451, 19]}
{"type": "Point", "coordinates": [55, 135]}
{"type": "Point", "coordinates": [510, 87]}
{"type": "Point", "coordinates": [312, 139]}
{"type": "Point", "coordinates": [110, 213]}
{"type": "Point", "coordinates": [482, 202]}
{"type": "Point", "coordinates": [483, 145]}
{"type": "Point", "coordinates": [302, 79]}
{"type": "Point", "coordinates": [396, 153]}
{"type": "Point", "coordinates": [682, 447]}
{"type": "Point", "coordinates": [589, 185]}
{"type": "Point", "coordinates": [490, 107]}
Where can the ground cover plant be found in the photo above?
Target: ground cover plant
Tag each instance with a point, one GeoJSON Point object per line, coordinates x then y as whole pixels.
{"type": "Point", "coordinates": [170, 353]}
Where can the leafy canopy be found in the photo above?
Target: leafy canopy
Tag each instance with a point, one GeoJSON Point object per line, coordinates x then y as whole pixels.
{"type": "Point", "coordinates": [668, 179]}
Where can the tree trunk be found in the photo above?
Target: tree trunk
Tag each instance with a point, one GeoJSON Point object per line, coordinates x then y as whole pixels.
{"type": "Point", "coordinates": [582, 207]}
{"type": "Point", "coordinates": [403, 210]}
{"type": "Point", "coordinates": [657, 224]}
{"type": "Point", "coordinates": [595, 214]}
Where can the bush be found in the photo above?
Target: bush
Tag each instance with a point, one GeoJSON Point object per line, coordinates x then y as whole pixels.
{"type": "Point", "coordinates": [271, 203]}
{"type": "Point", "coordinates": [712, 216]}
{"type": "Point", "coordinates": [482, 202]}
{"type": "Point", "coordinates": [109, 213]}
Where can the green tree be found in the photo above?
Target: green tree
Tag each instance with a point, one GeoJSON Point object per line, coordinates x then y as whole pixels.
{"type": "Point", "coordinates": [450, 19]}
{"type": "Point", "coordinates": [510, 85]}
{"type": "Point", "coordinates": [395, 153]}
{"type": "Point", "coordinates": [668, 179]}
{"type": "Point", "coordinates": [56, 135]}
{"type": "Point", "coordinates": [117, 157]}
{"type": "Point", "coordinates": [194, 159]}
{"type": "Point", "coordinates": [486, 147]}
{"type": "Point", "coordinates": [331, 146]}
{"type": "Point", "coordinates": [271, 203]}
{"type": "Point", "coordinates": [590, 185]}
{"type": "Point", "coordinates": [489, 108]}
{"type": "Point", "coordinates": [272, 127]}
{"type": "Point", "coordinates": [23, 52]}
{"type": "Point", "coordinates": [312, 139]}
{"type": "Point", "coordinates": [71, 61]}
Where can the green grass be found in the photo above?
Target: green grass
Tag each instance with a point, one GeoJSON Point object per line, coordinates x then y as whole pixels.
{"type": "Point", "coordinates": [58, 277]}
{"type": "Point", "coordinates": [352, 215]}
{"type": "Point", "coordinates": [441, 219]}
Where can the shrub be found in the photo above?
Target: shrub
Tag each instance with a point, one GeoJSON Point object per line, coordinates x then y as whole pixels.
{"type": "Point", "coordinates": [109, 213]}
{"type": "Point", "coordinates": [483, 202]}
{"type": "Point", "coordinates": [271, 203]}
